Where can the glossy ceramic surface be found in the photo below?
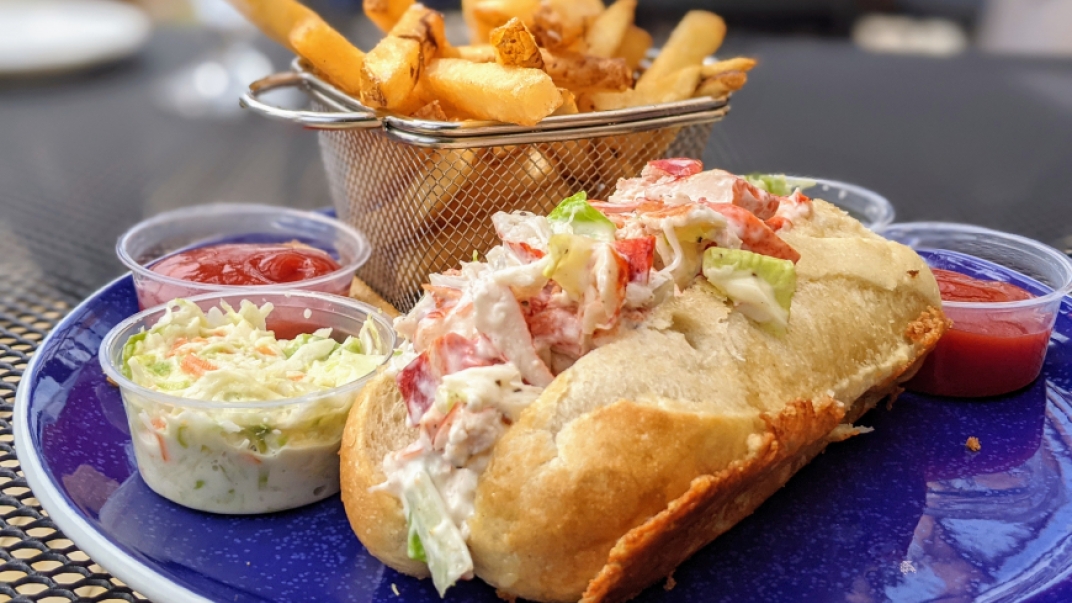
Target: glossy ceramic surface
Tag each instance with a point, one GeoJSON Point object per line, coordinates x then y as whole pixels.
{"type": "Point", "coordinates": [905, 513]}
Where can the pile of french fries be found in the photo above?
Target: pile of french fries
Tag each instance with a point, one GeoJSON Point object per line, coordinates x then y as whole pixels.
{"type": "Point", "coordinates": [527, 59]}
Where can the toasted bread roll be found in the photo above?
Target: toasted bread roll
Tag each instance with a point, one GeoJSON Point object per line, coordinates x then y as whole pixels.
{"type": "Point", "coordinates": [652, 445]}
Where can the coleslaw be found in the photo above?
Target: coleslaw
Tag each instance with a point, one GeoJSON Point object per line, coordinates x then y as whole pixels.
{"type": "Point", "coordinates": [264, 424]}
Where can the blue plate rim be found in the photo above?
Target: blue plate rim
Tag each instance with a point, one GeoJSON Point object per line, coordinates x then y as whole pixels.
{"type": "Point", "coordinates": [102, 551]}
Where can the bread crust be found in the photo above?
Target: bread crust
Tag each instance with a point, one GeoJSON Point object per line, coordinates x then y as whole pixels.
{"type": "Point", "coordinates": [715, 503]}
{"type": "Point", "coordinates": [651, 446]}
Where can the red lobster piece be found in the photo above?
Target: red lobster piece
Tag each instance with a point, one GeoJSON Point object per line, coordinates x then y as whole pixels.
{"type": "Point", "coordinates": [448, 354]}
{"type": "Point", "coordinates": [677, 167]}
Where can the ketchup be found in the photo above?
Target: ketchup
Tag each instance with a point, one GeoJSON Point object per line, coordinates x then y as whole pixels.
{"type": "Point", "coordinates": [247, 264]}
{"type": "Point", "coordinates": [986, 352]}
{"type": "Point", "coordinates": [957, 287]}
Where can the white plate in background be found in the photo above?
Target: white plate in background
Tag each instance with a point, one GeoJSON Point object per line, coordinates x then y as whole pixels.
{"type": "Point", "coordinates": [42, 36]}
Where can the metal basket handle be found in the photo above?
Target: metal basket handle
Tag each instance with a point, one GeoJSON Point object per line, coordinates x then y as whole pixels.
{"type": "Point", "coordinates": [342, 118]}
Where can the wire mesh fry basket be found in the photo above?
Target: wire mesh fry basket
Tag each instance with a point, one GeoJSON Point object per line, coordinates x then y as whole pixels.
{"type": "Point", "coordinates": [423, 191]}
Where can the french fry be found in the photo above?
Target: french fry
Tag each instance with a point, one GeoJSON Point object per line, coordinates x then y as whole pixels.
{"type": "Point", "coordinates": [484, 15]}
{"type": "Point", "coordinates": [392, 68]}
{"type": "Point", "coordinates": [569, 103]}
{"type": "Point", "coordinates": [426, 26]}
{"type": "Point", "coordinates": [573, 161]}
{"type": "Point", "coordinates": [610, 101]}
{"type": "Point", "coordinates": [554, 33]}
{"type": "Point", "coordinates": [477, 53]}
{"type": "Point", "coordinates": [699, 34]}
{"type": "Point", "coordinates": [546, 57]}
{"type": "Point", "coordinates": [492, 91]}
{"type": "Point", "coordinates": [734, 64]}
{"type": "Point", "coordinates": [432, 111]}
{"type": "Point", "coordinates": [390, 72]}
{"type": "Point", "coordinates": [514, 45]}
{"type": "Point", "coordinates": [678, 86]}
{"type": "Point", "coordinates": [385, 13]}
{"type": "Point", "coordinates": [276, 18]}
{"type": "Point", "coordinates": [626, 154]}
{"type": "Point", "coordinates": [436, 189]}
{"type": "Point", "coordinates": [454, 193]}
{"type": "Point", "coordinates": [307, 35]}
{"type": "Point", "coordinates": [577, 15]}
{"type": "Point", "coordinates": [634, 46]}
{"type": "Point", "coordinates": [329, 53]}
{"type": "Point", "coordinates": [721, 84]}
{"type": "Point", "coordinates": [607, 30]}
{"type": "Point", "coordinates": [424, 96]}
{"type": "Point", "coordinates": [583, 73]}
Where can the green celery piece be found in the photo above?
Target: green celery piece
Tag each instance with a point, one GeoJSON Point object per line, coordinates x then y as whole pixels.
{"type": "Point", "coordinates": [169, 386]}
{"type": "Point", "coordinates": [162, 368]}
{"type": "Point", "coordinates": [293, 345]}
{"type": "Point", "coordinates": [257, 435]}
{"type": "Point", "coordinates": [414, 548]}
{"type": "Point", "coordinates": [569, 262]}
{"type": "Point", "coordinates": [777, 184]}
{"type": "Point", "coordinates": [446, 551]}
{"type": "Point", "coordinates": [128, 351]}
{"type": "Point", "coordinates": [353, 344]}
{"type": "Point", "coordinates": [722, 267]}
{"type": "Point", "coordinates": [575, 215]}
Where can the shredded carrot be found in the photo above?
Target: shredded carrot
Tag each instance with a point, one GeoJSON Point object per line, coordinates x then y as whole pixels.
{"type": "Point", "coordinates": [163, 447]}
{"type": "Point", "coordinates": [196, 366]}
{"type": "Point", "coordinates": [158, 423]}
{"type": "Point", "coordinates": [267, 351]}
{"type": "Point", "coordinates": [256, 461]}
{"type": "Point", "coordinates": [296, 377]}
{"type": "Point", "coordinates": [181, 341]}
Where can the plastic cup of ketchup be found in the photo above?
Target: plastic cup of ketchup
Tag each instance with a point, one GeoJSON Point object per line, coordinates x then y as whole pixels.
{"type": "Point", "coordinates": [239, 248]}
{"type": "Point", "coordinates": [1002, 292]}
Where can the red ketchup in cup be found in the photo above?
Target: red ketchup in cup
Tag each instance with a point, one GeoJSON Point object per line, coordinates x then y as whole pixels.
{"type": "Point", "coordinates": [985, 353]}
{"type": "Point", "coordinates": [234, 247]}
{"type": "Point", "coordinates": [1002, 292]}
{"type": "Point", "coordinates": [247, 264]}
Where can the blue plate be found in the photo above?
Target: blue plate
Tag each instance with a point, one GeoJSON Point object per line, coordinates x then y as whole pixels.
{"type": "Point", "coordinates": [904, 514]}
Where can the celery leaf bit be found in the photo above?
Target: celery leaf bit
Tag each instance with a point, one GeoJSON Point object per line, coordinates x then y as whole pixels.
{"type": "Point", "coordinates": [760, 286]}
{"type": "Point", "coordinates": [437, 537]}
{"type": "Point", "coordinates": [778, 184]}
{"type": "Point", "coordinates": [575, 216]}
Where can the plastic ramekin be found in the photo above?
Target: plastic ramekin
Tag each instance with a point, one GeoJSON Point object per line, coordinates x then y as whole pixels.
{"type": "Point", "coordinates": [199, 226]}
{"type": "Point", "coordinates": [872, 209]}
{"type": "Point", "coordinates": [245, 457]}
{"type": "Point", "coordinates": [973, 359]}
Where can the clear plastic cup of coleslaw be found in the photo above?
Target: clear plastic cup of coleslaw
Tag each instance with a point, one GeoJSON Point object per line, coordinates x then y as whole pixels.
{"type": "Point", "coordinates": [246, 457]}
{"type": "Point", "coordinates": [151, 240]}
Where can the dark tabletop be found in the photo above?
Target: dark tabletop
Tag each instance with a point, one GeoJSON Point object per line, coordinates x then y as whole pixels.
{"type": "Point", "coordinates": [973, 138]}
